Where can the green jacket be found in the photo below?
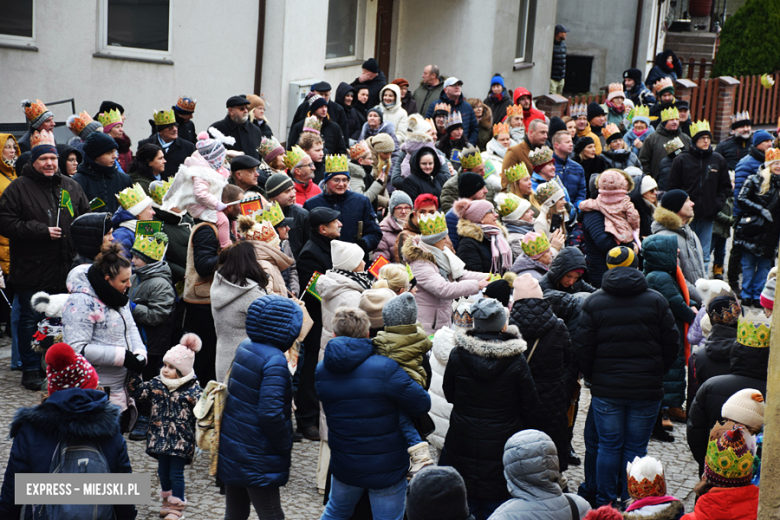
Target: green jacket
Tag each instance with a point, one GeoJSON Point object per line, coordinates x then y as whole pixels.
{"type": "Point", "coordinates": [406, 345]}
{"type": "Point", "coordinates": [725, 220]}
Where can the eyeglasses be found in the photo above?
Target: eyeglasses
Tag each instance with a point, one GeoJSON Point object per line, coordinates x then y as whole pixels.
{"type": "Point", "coordinates": [307, 165]}
{"type": "Point", "coordinates": [340, 181]}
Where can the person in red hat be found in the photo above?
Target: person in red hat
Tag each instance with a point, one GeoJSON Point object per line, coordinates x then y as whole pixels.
{"type": "Point", "coordinates": [407, 101]}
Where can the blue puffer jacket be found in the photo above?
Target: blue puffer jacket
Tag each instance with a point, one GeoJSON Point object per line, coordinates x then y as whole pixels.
{"type": "Point", "coordinates": [362, 394]}
{"type": "Point", "coordinates": [124, 228]}
{"type": "Point", "coordinates": [470, 126]}
{"type": "Point", "coordinates": [572, 174]}
{"type": "Point", "coordinates": [452, 227]}
{"type": "Point", "coordinates": [746, 167]}
{"type": "Point", "coordinates": [256, 438]}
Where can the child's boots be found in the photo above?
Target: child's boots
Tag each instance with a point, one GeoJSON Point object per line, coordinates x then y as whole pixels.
{"type": "Point", "coordinates": [421, 457]}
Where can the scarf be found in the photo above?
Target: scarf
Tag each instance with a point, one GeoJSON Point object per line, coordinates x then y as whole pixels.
{"type": "Point", "coordinates": [640, 134]}
{"type": "Point", "coordinates": [650, 501]}
{"type": "Point", "coordinates": [104, 291]}
{"type": "Point", "coordinates": [361, 278]}
{"type": "Point", "coordinates": [173, 384]}
{"type": "Point", "coordinates": [497, 97]}
{"type": "Point", "coordinates": [619, 109]}
{"type": "Point", "coordinates": [163, 144]}
{"type": "Point", "coordinates": [449, 264]}
{"type": "Point", "coordinates": [499, 249]}
{"type": "Point", "coordinates": [105, 171]}
{"type": "Point", "coordinates": [680, 278]}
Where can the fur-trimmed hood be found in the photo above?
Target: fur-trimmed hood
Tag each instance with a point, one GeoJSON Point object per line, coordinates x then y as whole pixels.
{"type": "Point", "coordinates": [667, 511]}
{"type": "Point", "coordinates": [512, 344]}
{"type": "Point", "coordinates": [468, 229]}
{"type": "Point", "coordinates": [49, 304]}
{"type": "Point", "coordinates": [412, 251]}
{"type": "Point", "coordinates": [667, 219]}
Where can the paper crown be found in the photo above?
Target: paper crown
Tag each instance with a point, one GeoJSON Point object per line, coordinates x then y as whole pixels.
{"type": "Point", "coordinates": [442, 106]}
{"type": "Point", "coordinates": [294, 156]}
{"type": "Point", "coordinates": [312, 124]}
{"type": "Point", "coordinates": [507, 203]}
{"type": "Point", "coordinates": [615, 87]}
{"type": "Point", "coordinates": [187, 104]}
{"type": "Point", "coordinates": [610, 130]}
{"type": "Point", "coordinates": [772, 154]}
{"type": "Point", "coordinates": [268, 145]}
{"type": "Point", "coordinates": [669, 113]}
{"type": "Point", "coordinates": [535, 245]}
{"type": "Point", "coordinates": [541, 156]}
{"type": "Point", "coordinates": [40, 137]}
{"type": "Point", "coordinates": [472, 160]}
{"type": "Point", "coordinates": [461, 314]}
{"type": "Point", "coordinates": [33, 110]}
{"type": "Point", "coordinates": [432, 224]}
{"type": "Point", "coordinates": [646, 478]}
{"type": "Point", "coordinates": [729, 459]}
{"type": "Point", "coordinates": [111, 117]}
{"type": "Point", "coordinates": [547, 190]}
{"type": "Point", "coordinates": [158, 189]}
{"type": "Point", "coordinates": [700, 127]}
{"type": "Point", "coordinates": [767, 81]}
{"type": "Point", "coordinates": [152, 246]}
{"type": "Point", "coordinates": [639, 111]}
{"type": "Point", "coordinates": [500, 128]}
{"type": "Point", "coordinates": [129, 197]}
{"type": "Point", "coordinates": [663, 84]}
{"type": "Point", "coordinates": [753, 330]}
{"type": "Point", "coordinates": [740, 117]}
{"type": "Point", "coordinates": [261, 231]}
{"type": "Point", "coordinates": [80, 122]}
{"type": "Point", "coordinates": [164, 117]}
{"type": "Point", "coordinates": [577, 110]}
{"type": "Point", "coordinates": [454, 119]}
{"type": "Point", "coordinates": [336, 164]}
{"type": "Point", "coordinates": [673, 145]}
{"type": "Point", "coordinates": [273, 215]}
{"type": "Point", "coordinates": [514, 110]}
{"type": "Point", "coordinates": [359, 150]}
{"type": "Point", "coordinates": [516, 172]}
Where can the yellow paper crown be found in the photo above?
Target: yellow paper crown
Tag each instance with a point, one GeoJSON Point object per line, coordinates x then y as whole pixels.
{"type": "Point", "coordinates": [541, 156]}
{"type": "Point", "coordinates": [639, 111]}
{"type": "Point", "coordinates": [442, 106]}
{"type": "Point", "coordinates": [152, 246]}
{"type": "Point", "coordinates": [767, 81]}
{"type": "Point", "coordinates": [110, 118]}
{"type": "Point", "coordinates": [772, 154]}
{"type": "Point", "coordinates": [158, 189]}
{"type": "Point", "coordinates": [500, 128]}
{"type": "Point", "coordinates": [81, 122]}
{"type": "Point", "coordinates": [609, 130]}
{"type": "Point", "coordinates": [535, 243]}
{"type": "Point", "coordinates": [164, 117]}
{"type": "Point", "coordinates": [507, 203]}
{"type": "Point", "coordinates": [294, 156]}
{"type": "Point", "coordinates": [754, 331]}
{"type": "Point", "coordinates": [42, 137]}
{"type": "Point", "coordinates": [359, 150]}
{"type": "Point", "coordinates": [514, 110]}
{"type": "Point", "coordinates": [273, 214]}
{"type": "Point", "coordinates": [669, 113]}
{"type": "Point", "coordinates": [336, 164]}
{"type": "Point", "coordinates": [516, 172]}
{"type": "Point", "coordinates": [432, 224]}
{"type": "Point", "coordinates": [34, 110]}
{"type": "Point", "coordinates": [472, 160]}
{"type": "Point", "coordinates": [699, 126]}
{"type": "Point", "coordinates": [662, 84]}
{"type": "Point", "coordinates": [129, 197]}
{"type": "Point", "coordinates": [312, 124]}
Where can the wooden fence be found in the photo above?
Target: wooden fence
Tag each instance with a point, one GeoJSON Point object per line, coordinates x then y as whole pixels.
{"type": "Point", "coordinates": [696, 70]}
{"type": "Point", "coordinates": [704, 100]}
{"type": "Point", "coordinates": [762, 104]}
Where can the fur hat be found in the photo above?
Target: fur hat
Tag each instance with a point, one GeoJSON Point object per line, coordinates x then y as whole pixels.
{"type": "Point", "coordinates": [182, 356]}
{"type": "Point", "coordinates": [373, 302]}
{"type": "Point", "coordinates": [526, 286]}
{"type": "Point", "coordinates": [66, 369]}
{"type": "Point", "coordinates": [745, 407]}
{"type": "Point", "coordinates": [488, 315]}
{"type": "Point", "coordinates": [472, 210]}
{"type": "Point", "coordinates": [400, 310]}
{"type": "Point", "coordinates": [345, 256]}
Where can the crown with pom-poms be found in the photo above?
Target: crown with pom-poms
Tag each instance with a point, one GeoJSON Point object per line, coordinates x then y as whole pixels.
{"type": "Point", "coordinates": [443, 107]}
{"type": "Point", "coordinates": [264, 231]}
{"type": "Point", "coordinates": [578, 110]}
{"type": "Point", "coordinates": [42, 137]}
{"type": "Point", "coordinates": [80, 122]}
{"type": "Point", "coordinates": [336, 163]}
{"type": "Point", "coordinates": [672, 145]}
{"type": "Point", "coordinates": [699, 127]}
{"type": "Point", "coordinates": [129, 197]}
{"type": "Point", "coordinates": [516, 172]}
{"type": "Point", "coordinates": [359, 150]}
{"type": "Point", "coordinates": [164, 117]}
{"type": "Point", "coordinates": [312, 124]}
{"type": "Point", "coordinates": [273, 214]}
{"type": "Point", "coordinates": [514, 110]}
{"type": "Point", "coordinates": [111, 117]}
{"type": "Point", "coordinates": [663, 84]}
{"type": "Point", "coordinates": [294, 156]}
{"type": "Point", "coordinates": [534, 243]}
{"type": "Point", "coordinates": [34, 111]}
{"type": "Point", "coordinates": [158, 189]}
{"type": "Point", "coordinates": [772, 154]}
{"type": "Point", "coordinates": [151, 246]}
{"type": "Point", "coordinates": [729, 459]}
{"type": "Point", "coordinates": [268, 145]}
{"type": "Point", "coordinates": [432, 224]}
{"type": "Point", "coordinates": [540, 156]}
{"type": "Point", "coordinates": [471, 160]}
{"type": "Point", "coordinates": [454, 119]}
{"type": "Point", "coordinates": [507, 203]}
{"type": "Point", "coordinates": [754, 330]}
{"type": "Point", "coordinates": [767, 81]}
{"type": "Point", "coordinates": [186, 104]}
{"type": "Point", "coordinates": [669, 113]}
{"type": "Point", "coordinates": [500, 128]}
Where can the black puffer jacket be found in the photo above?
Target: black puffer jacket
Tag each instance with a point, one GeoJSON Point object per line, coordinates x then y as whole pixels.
{"type": "Point", "coordinates": [493, 396]}
{"type": "Point", "coordinates": [330, 132]}
{"type": "Point", "coordinates": [711, 359]}
{"type": "Point", "coordinates": [569, 259]}
{"type": "Point", "coordinates": [734, 149]}
{"type": "Point", "coordinates": [88, 231]}
{"type": "Point", "coordinates": [626, 338]}
{"type": "Point", "coordinates": [567, 307]}
{"type": "Point", "coordinates": [419, 182]}
{"type": "Point", "coordinates": [552, 365]}
{"type": "Point", "coordinates": [178, 229]}
{"type": "Point", "coordinates": [751, 203]}
{"type": "Point", "coordinates": [336, 113]}
{"type": "Point", "coordinates": [704, 176]}
{"type": "Point", "coordinates": [474, 248]}
{"type": "Point", "coordinates": [101, 182]}
{"type": "Point", "coordinates": [558, 70]}
{"type": "Point", "coordinates": [596, 242]}
{"type": "Point", "coordinates": [353, 119]}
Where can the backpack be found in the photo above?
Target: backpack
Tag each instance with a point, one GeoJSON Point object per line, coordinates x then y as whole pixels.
{"type": "Point", "coordinates": [82, 457]}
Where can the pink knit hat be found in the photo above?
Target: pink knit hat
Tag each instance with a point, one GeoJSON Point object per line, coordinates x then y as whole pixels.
{"type": "Point", "coordinates": [182, 356]}
{"type": "Point", "coordinates": [612, 180]}
{"type": "Point", "coordinates": [472, 210]}
{"type": "Point", "coordinates": [526, 286]}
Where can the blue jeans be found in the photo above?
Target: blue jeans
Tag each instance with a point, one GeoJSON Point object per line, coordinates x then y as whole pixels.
{"type": "Point", "coordinates": [719, 250]}
{"type": "Point", "coordinates": [754, 271]}
{"type": "Point", "coordinates": [170, 469]}
{"type": "Point", "coordinates": [24, 323]}
{"type": "Point", "coordinates": [410, 433]}
{"type": "Point", "coordinates": [624, 427]}
{"type": "Point", "coordinates": [386, 504]}
{"type": "Point", "coordinates": [481, 509]}
{"type": "Point", "coordinates": [587, 489]}
{"type": "Point", "coordinates": [703, 229]}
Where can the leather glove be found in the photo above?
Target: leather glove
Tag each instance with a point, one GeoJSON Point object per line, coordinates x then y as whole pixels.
{"type": "Point", "coordinates": [767, 215]}
{"type": "Point", "coordinates": [133, 363]}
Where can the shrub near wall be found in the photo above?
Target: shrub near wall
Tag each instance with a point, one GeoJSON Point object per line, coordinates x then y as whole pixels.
{"type": "Point", "coordinates": [750, 40]}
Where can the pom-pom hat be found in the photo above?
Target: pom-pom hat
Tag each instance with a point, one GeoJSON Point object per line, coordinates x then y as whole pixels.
{"type": "Point", "coordinates": [182, 356]}
{"type": "Point", "coordinates": [745, 407]}
{"type": "Point", "coordinates": [36, 113]}
{"type": "Point", "coordinates": [66, 369]}
{"type": "Point", "coordinates": [729, 459]}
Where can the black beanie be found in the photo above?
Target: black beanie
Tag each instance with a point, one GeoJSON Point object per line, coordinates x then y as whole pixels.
{"type": "Point", "coordinates": [582, 143]}
{"type": "Point", "coordinates": [97, 144]}
{"type": "Point", "coordinates": [469, 183]}
{"type": "Point", "coordinates": [377, 111]}
{"type": "Point", "coordinates": [595, 110]}
{"type": "Point", "coordinates": [371, 65]}
{"type": "Point", "coordinates": [437, 493]}
{"type": "Point", "coordinates": [634, 74]}
{"type": "Point", "coordinates": [556, 125]}
{"type": "Point", "coordinates": [674, 200]}
{"type": "Point", "coordinates": [499, 290]}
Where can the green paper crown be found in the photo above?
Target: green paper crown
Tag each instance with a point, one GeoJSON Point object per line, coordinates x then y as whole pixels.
{"type": "Point", "coordinates": [129, 197]}
{"type": "Point", "coordinates": [507, 203]}
{"type": "Point", "coordinates": [729, 457]}
{"type": "Point", "coordinates": [294, 156]}
{"type": "Point", "coordinates": [110, 117]}
{"type": "Point", "coordinates": [268, 145]}
{"type": "Point", "coordinates": [517, 172]}
{"type": "Point", "coordinates": [537, 246]}
{"type": "Point", "coordinates": [336, 164]}
{"type": "Point", "coordinates": [312, 124]}
{"type": "Point", "coordinates": [669, 113]}
{"type": "Point", "coordinates": [164, 117]}
{"type": "Point", "coordinates": [700, 126]}
{"type": "Point", "coordinates": [432, 224]}
{"type": "Point", "coordinates": [471, 161]}
{"type": "Point", "coordinates": [547, 190]}
{"type": "Point", "coordinates": [273, 214]}
{"type": "Point", "coordinates": [541, 156]}
{"type": "Point", "coordinates": [753, 331]}
{"type": "Point", "coordinates": [151, 246]}
{"type": "Point", "coordinates": [158, 189]}
{"type": "Point", "coordinates": [639, 111]}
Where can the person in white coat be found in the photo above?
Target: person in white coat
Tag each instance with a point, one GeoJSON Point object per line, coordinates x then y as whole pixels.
{"type": "Point", "coordinates": [390, 103]}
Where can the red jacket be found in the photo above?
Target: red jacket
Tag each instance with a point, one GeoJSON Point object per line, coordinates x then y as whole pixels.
{"type": "Point", "coordinates": [305, 192]}
{"type": "Point", "coordinates": [530, 114]}
{"type": "Point", "coordinates": [726, 504]}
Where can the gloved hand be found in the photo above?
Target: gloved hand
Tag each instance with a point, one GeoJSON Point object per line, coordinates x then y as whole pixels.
{"type": "Point", "coordinates": [364, 245]}
{"type": "Point", "coordinates": [767, 215]}
{"type": "Point", "coordinates": [133, 363]}
{"type": "Point", "coordinates": [133, 305]}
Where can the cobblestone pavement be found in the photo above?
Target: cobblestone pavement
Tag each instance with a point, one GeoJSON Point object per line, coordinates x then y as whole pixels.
{"type": "Point", "coordinates": [300, 499]}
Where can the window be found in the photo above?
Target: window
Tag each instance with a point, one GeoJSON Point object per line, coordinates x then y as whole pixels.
{"type": "Point", "coordinates": [135, 28]}
{"type": "Point", "coordinates": [525, 31]}
{"type": "Point", "coordinates": [342, 29]}
{"type": "Point", "coordinates": [16, 22]}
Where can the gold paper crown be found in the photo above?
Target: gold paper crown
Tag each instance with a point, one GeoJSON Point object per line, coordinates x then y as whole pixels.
{"type": "Point", "coordinates": [336, 164]}
{"type": "Point", "coordinates": [454, 119]}
{"type": "Point", "coordinates": [547, 190]}
{"type": "Point", "coordinates": [312, 124]}
{"type": "Point", "coordinates": [164, 117]}
{"type": "Point", "coordinates": [294, 156]}
{"type": "Point", "coordinates": [442, 106]}
{"type": "Point", "coordinates": [669, 113]}
{"type": "Point", "coordinates": [158, 189]}
{"type": "Point", "coordinates": [432, 224]}
{"type": "Point", "coordinates": [507, 203]}
{"type": "Point", "coordinates": [516, 172]}
{"type": "Point", "coordinates": [639, 111]}
{"type": "Point", "coordinates": [263, 231]}
{"type": "Point", "coordinates": [767, 81]}
{"type": "Point", "coordinates": [273, 214]}
{"type": "Point", "coordinates": [535, 246]}
{"type": "Point", "coordinates": [110, 118]}
{"type": "Point", "coordinates": [359, 150]}
{"type": "Point", "coordinates": [500, 128]}
{"type": "Point", "coordinates": [700, 126]}
{"type": "Point", "coordinates": [186, 103]}
{"type": "Point", "coordinates": [514, 110]}
{"type": "Point", "coordinates": [772, 154]}
{"type": "Point", "coordinates": [663, 83]}
{"type": "Point", "coordinates": [153, 246]}
{"type": "Point", "coordinates": [541, 156]}
{"type": "Point", "coordinates": [615, 87]}
{"type": "Point", "coordinates": [268, 145]}
{"type": "Point", "coordinates": [578, 110]}
{"type": "Point", "coordinates": [609, 130]}
{"type": "Point", "coordinates": [34, 110]}
{"type": "Point", "coordinates": [472, 160]}
{"type": "Point", "coordinates": [80, 122]}
{"type": "Point", "coordinates": [673, 144]}
{"type": "Point", "coordinates": [754, 331]}
{"type": "Point", "coordinates": [42, 137]}
{"type": "Point", "coordinates": [129, 197]}
{"type": "Point", "coordinates": [740, 116]}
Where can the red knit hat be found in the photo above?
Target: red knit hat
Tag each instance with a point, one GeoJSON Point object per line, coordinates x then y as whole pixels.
{"type": "Point", "coordinates": [66, 369]}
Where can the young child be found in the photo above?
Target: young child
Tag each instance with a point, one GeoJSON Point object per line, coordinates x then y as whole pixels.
{"type": "Point", "coordinates": [171, 437]}
{"type": "Point", "coordinates": [621, 219]}
{"type": "Point", "coordinates": [647, 488]}
{"type": "Point", "coordinates": [404, 341]}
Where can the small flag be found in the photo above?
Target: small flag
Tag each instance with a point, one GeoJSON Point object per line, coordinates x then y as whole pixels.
{"type": "Point", "coordinates": [249, 207]}
{"type": "Point", "coordinates": [490, 169]}
{"type": "Point", "coordinates": [409, 272]}
{"type": "Point", "coordinates": [311, 287]}
{"type": "Point", "coordinates": [456, 156]}
{"type": "Point", "coordinates": [96, 203]}
{"type": "Point", "coordinates": [378, 264]}
{"type": "Point", "coordinates": [65, 201]}
{"type": "Point", "coordinates": [494, 277]}
{"type": "Point", "coordinates": [148, 227]}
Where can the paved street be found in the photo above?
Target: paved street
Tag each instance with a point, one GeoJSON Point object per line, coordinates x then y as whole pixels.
{"type": "Point", "coordinates": [300, 498]}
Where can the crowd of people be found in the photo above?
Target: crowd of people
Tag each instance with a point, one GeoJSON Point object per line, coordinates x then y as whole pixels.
{"type": "Point", "coordinates": [424, 281]}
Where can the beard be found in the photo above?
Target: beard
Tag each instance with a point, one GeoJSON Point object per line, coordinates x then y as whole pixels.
{"type": "Point", "coordinates": [240, 120]}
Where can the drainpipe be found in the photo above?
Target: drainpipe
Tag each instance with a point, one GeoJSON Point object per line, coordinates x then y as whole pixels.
{"type": "Point", "coordinates": [640, 6]}
{"type": "Point", "coordinates": [260, 43]}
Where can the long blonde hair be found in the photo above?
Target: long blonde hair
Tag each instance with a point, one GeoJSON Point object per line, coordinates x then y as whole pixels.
{"type": "Point", "coordinates": [513, 188]}
{"type": "Point", "coordinates": [766, 179]}
{"type": "Point", "coordinates": [393, 277]}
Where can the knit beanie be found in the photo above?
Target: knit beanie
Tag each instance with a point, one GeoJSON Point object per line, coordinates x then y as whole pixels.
{"type": "Point", "coordinates": [316, 102]}
{"type": "Point", "coordinates": [66, 369]}
{"type": "Point", "coordinates": [622, 256]}
{"type": "Point", "coordinates": [556, 125]}
{"type": "Point", "coordinates": [97, 144]}
{"type": "Point", "coordinates": [501, 289]}
{"type": "Point", "coordinates": [437, 493]}
{"type": "Point", "coordinates": [525, 287]}
{"type": "Point", "coordinates": [724, 310]}
{"type": "Point", "coordinates": [761, 136]}
{"type": "Point", "coordinates": [182, 356]}
{"type": "Point", "coordinates": [472, 210]}
{"type": "Point", "coordinates": [745, 407]}
{"type": "Point", "coordinates": [469, 183]}
{"type": "Point", "coordinates": [674, 200]}
{"type": "Point", "coordinates": [277, 184]}
{"type": "Point", "coordinates": [604, 513]}
{"type": "Point", "coordinates": [768, 294]}
{"type": "Point", "coordinates": [381, 143]}
{"type": "Point", "coordinates": [709, 289]}
{"type": "Point", "coordinates": [594, 110]}
{"type": "Point", "coordinates": [400, 310]}
{"type": "Point", "coordinates": [377, 111]}
{"type": "Point", "coordinates": [646, 478]}
{"type": "Point", "coordinates": [582, 144]}
{"type": "Point", "coordinates": [373, 302]}
{"type": "Point", "coordinates": [729, 459]}
{"type": "Point", "coordinates": [497, 80]}
{"type": "Point", "coordinates": [398, 197]}
{"type": "Point", "coordinates": [345, 256]}
{"type": "Point", "coordinates": [488, 315]}
{"type": "Point", "coordinates": [648, 184]}
{"type": "Point", "coordinates": [36, 113]}
{"type": "Point", "coordinates": [371, 65]}
{"type": "Point", "coordinates": [213, 150]}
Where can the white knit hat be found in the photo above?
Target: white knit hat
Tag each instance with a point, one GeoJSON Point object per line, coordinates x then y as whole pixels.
{"type": "Point", "coordinates": [648, 183]}
{"type": "Point", "coordinates": [745, 407]}
{"type": "Point", "coordinates": [345, 256]}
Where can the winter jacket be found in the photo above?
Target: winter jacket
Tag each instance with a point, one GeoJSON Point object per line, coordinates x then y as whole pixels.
{"type": "Point", "coordinates": [363, 183]}
{"type": "Point", "coordinates": [734, 149]}
{"type": "Point", "coordinates": [646, 211]}
{"type": "Point", "coordinates": [88, 235]}
{"type": "Point", "coordinates": [172, 423]}
{"type": "Point", "coordinates": [664, 168]}
{"type": "Point", "coordinates": [426, 95]}
{"type": "Point", "coordinates": [516, 230]}
{"type": "Point", "coordinates": [434, 292]}
{"type": "Point", "coordinates": [567, 260]}
{"type": "Point", "coordinates": [202, 257]}
{"type": "Point", "coordinates": [591, 167]}
{"type": "Point", "coordinates": [572, 176]}
{"type": "Point", "coordinates": [450, 192]}
{"type": "Point", "coordinates": [418, 182]}
{"type": "Point", "coordinates": [255, 442]}
{"type": "Point", "coordinates": [229, 304]}
{"type": "Point", "coordinates": [124, 229]}
{"type": "Point", "coordinates": [662, 70]}
{"type": "Point", "coordinates": [498, 106]}
{"type": "Point", "coordinates": [362, 395]}
{"type": "Point", "coordinates": [354, 208]}
{"type": "Point", "coordinates": [175, 154]}
{"type": "Point", "coordinates": [739, 503]}
{"type": "Point", "coordinates": [186, 129]}
{"type": "Point", "coordinates": [374, 86]}
{"type": "Point", "coordinates": [620, 159]}
{"type": "Point", "coordinates": [354, 119]}
{"type": "Point", "coordinates": [390, 230]}
{"type": "Point", "coordinates": [597, 243]}
{"type": "Point", "coordinates": [101, 182]}
{"type": "Point", "coordinates": [178, 229]}
{"type": "Point", "coordinates": [553, 368]}
{"type": "Point", "coordinates": [711, 359]}
{"type": "Point", "coordinates": [630, 137]}
{"type": "Point", "coordinates": [704, 176]}
{"type": "Point", "coordinates": [141, 180]}
{"type": "Point", "coordinates": [525, 264]}
{"type": "Point", "coordinates": [385, 127]}
{"type": "Point", "coordinates": [28, 206]}
{"type": "Point", "coordinates": [7, 175]}
{"type": "Point", "coordinates": [470, 123]}
{"type": "Point", "coordinates": [407, 345]}
{"type": "Point", "coordinates": [567, 307]}
{"type": "Point", "coordinates": [330, 132]}
{"type": "Point", "coordinates": [394, 114]}
{"type": "Point", "coordinates": [100, 333]}
{"type": "Point", "coordinates": [764, 244]}
{"type": "Point", "coordinates": [588, 132]}
{"type": "Point", "coordinates": [247, 136]}
{"type": "Point", "coordinates": [485, 133]}
{"type": "Point", "coordinates": [152, 292]}
{"type": "Point", "coordinates": [691, 257]}
{"type": "Point", "coordinates": [474, 248]}
{"type": "Point", "coordinates": [336, 290]}
{"type": "Point", "coordinates": [653, 151]}
{"type": "Point", "coordinates": [273, 261]}
{"type": "Point", "coordinates": [530, 114]}
{"type": "Point", "coordinates": [533, 477]}
{"type": "Point", "coordinates": [443, 343]}
{"type": "Point", "coordinates": [641, 95]}
{"type": "Point", "coordinates": [558, 69]}
{"type": "Point", "coordinates": [409, 104]}
{"type": "Point", "coordinates": [314, 257]}
{"type": "Point", "coordinates": [626, 339]}
{"type": "Point", "coordinates": [401, 167]}
{"type": "Point", "coordinates": [493, 397]}
{"type": "Point", "coordinates": [336, 113]}
{"type": "Point", "coordinates": [72, 414]}
{"type": "Point", "coordinates": [746, 167]}
{"type": "Point", "coordinates": [304, 192]}
{"type": "Point", "coordinates": [515, 155]}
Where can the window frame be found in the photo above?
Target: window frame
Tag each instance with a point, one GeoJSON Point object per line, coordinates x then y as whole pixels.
{"type": "Point", "coordinates": [359, 35]}
{"type": "Point", "coordinates": [530, 23]}
{"type": "Point", "coordinates": [22, 41]}
{"type": "Point", "coordinates": [113, 51]}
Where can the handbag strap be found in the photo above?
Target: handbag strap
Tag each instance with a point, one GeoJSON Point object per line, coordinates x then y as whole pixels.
{"type": "Point", "coordinates": [533, 350]}
{"type": "Point", "coordinates": [575, 511]}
